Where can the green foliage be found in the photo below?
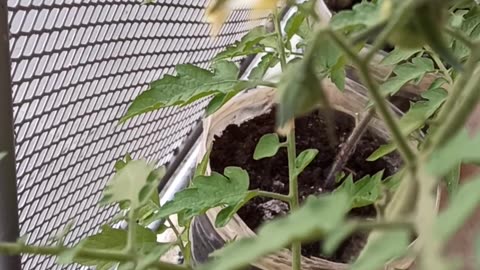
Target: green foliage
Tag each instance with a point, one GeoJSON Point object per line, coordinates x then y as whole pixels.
{"type": "Point", "coordinates": [460, 208]}
{"type": "Point", "coordinates": [399, 55]}
{"type": "Point", "coordinates": [279, 233]}
{"type": "Point", "coordinates": [363, 192]}
{"type": "Point", "coordinates": [389, 245]}
{"type": "Point", "coordinates": [135, 183]}
{"type": "Point", "coordinates": [267, 146]}
{"type": "Point", "coordinates": [362, 15]}
{"type": "Point", "coordinates": [416, 116]}
{"type": "Point", "coordinates": [452, 178]}
{"type": "Point", "coordinates": [303, 159]}
{"type": "Point", "coordinates": [469, 25]}
{"type": "Point", "coordinates": [460, 149]}
{"type": "Point", "coordinates": [407, 72]}
{"type": "Point", "coordinates": [255, 41]}
{"type": "Point", "coordinates": [191, 83]}
{"type": "Point", "coordinates": [112, 239]}
{"type": "Point", "coordinates": [268, 60]}
{"type": "Point", "coordinates": [230, 190]}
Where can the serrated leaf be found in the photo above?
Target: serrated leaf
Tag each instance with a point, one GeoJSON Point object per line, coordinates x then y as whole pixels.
{"type": "Point", "coordinates": [304, 159]}
{"type": "Point", "coordinates": [268, 60]}
{"type": "Point", "coordinates": [202, 166]}
{"type": "Point", "coordinates": [115, 239]}
{"type": "Point", "coordinates": [277, 234]}
{"type": "Point", "coordinates": [299, 91]}
{"type": "Point", "coordinates": [226, 214]}
{"type": "Point", "coordinates": [391, 244]}
{"type": "Point", "coordinates": [415, 118]}
{"type": "Point", "coordinates": [337, 73]}
{"type": "Point", "coordinates": [470, 27]}
{"type": "Point", "coordinates": [460, 149]}
{"type": "Point", "coordinates": [362, 15]}
{"type": "Point", "coordinates": [253, 42]}
{"type": "Point", "coordinates": [128, 183]}
{"type": "Point", "coordinates": [207, 192]}
{"type": "Point", "coordinates": [405, 73]}
{"type": "Point", "coordinates": [398, 55]}
{"type": "Point", "coordinates": [267, 146]}
{"type": "Point", "coordinates": [191, 83]}
{"type": "Point", "coordinates": [460, 208]}
{"type": "Point", "coordinates": [153, 256]}
{"type": "Point", "coordinates": [363, 192]}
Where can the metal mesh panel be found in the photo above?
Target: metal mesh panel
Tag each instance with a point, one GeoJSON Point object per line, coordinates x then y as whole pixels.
{"type": "Point", "coordinates": [76, 65]}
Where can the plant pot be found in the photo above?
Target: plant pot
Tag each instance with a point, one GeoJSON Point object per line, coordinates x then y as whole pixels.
{"type": "Point", "coordinates": [205, 238]}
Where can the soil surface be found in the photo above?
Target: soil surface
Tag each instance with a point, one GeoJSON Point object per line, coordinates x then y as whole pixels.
{"type": "Point", "coordinates": [236, 145]}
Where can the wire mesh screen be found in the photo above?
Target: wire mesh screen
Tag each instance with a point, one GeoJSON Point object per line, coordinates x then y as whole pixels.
{"type": "Point", "coordinates": [76, 65]}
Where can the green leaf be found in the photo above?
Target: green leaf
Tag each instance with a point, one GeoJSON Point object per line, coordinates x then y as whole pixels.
{"type": "Point", "coordinates": [299, 91]}
{"type": "Point", "coordinates": [460, 208]}
{"type": "Point", "coordinates": [407, 72]}
{"type": "Point", "coordinates": [361, 15]}
{"type": "Point", "coordinates": [336, 238]}
{"type": "Point", "coordinates": [293, 24]}
{"type": "Point", "coordinates": [253, 42]}
{"type": "Point", "coordinates": [451, 180]}
{"type": "Point", "coordinates": [470, 27]}
{"type": "Point", "coordinates": [302, 160]}
{"type": "Point", "coordinates": [129, 183]}
{"type": "Point", "coordinates": [330, 61]}
{"type": "Point", "coordinates": [153, 256]}
{"type": "Point", "coordinates": [227, 213]}
{"type": "Point", "coordinates": [115, 239]}
{"type": "Point", "coordinates": [363, 192]}
{"type": "Point", "coordinates": [207, 192]}
{"type": "Point", "coordinates": [68, 256]}
{"type": "Point", "coordinates": [202, 166]}
{"type": "Point", "coordinates": [268, 60]}
{"type": "Point", "coordinates": [415, 118]}
{"type": "Point", "coordinates": [337, 73]}
{"type": "Point", "coordinates": [267, 146]}
{"type": "Point", "coordinates": [387, 246]}
{"type": "Point", "coordinates": [460, 149]}
{"type": "Point", "coordinates": [2, 155]}
{"type": "Point", "coordinates": [191, 83]}
{"type": "Point", "coordinates": [398, 55]}
{"type": "Point", "coordinates": [277, 234]}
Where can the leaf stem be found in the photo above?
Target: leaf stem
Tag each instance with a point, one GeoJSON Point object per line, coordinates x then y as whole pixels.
{"type": "Point", "coordinates": [266, 83]}
{"type": "Point", "coordinates": [177, 234]}
{"type": "Point", "coordinates": [131, 241]}
{"type": "Point", "coordinates": [380, 103]}
{"type": "Point", "coordinates": [440, 65]}
{"type": "Point", "coordinates": [273, 195]}
{"type": "Point", "coordinates": [291, 150]}
{"type": "Point", "coordinates": [88, 253]}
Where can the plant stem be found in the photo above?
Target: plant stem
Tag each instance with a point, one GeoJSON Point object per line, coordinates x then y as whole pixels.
{"type": "Point", "coordinates": [88, 253]}
{"type": "Point", "coordinates": [131, 245]}
{"type": "Point", "coordinates": [380, 103]}
{"type": "Point", "coordinates": [291, 150]}
{"type": "Point", "coordinates": [273, 195]}
{"type": "Point", "coordinates": [440, 65]}
{"type": "Point", "coordinates": [177, 234]}
{"type": "Point", "coordinates": [266, 83]}
{"type": "Point", "coordinates": [348, 148]}
{"type": "Point", "coordinates": [293, 194]}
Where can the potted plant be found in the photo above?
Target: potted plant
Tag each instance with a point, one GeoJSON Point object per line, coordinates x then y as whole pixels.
{"type": "Point", "coordinates": [405, 204]}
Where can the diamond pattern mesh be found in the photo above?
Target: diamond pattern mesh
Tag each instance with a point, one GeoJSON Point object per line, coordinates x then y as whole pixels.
{"type": "Point", "coordinates": [76, 65]}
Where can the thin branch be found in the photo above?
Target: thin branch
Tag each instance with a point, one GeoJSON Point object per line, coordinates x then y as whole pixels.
{"type": "Point", "coordinates": [177, 234]}
{"type": "Point", "coordinates": [348, 148]}
{"type": "Point", "coordinates": [440, 65]}
{"type": "Point", "coordinates": [461, 37]}
{"type": "Point", "coordinates": [87, 253]}
{"type": "Point", "coordinates": [273, 195]}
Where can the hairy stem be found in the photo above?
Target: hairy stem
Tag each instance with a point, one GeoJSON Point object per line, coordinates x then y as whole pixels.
{"type": "Point", "coordinates": [291, 150]}
{"type": "Point", "coordinates": [440, 65]}
{"type": "Point", "coordinates": [273, 195]}
{"type": "Point", "coordinates": [88, 253]}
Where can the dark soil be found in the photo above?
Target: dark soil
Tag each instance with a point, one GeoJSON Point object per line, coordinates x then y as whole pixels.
{"type": "Point", "coordinates": [236, 145]}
